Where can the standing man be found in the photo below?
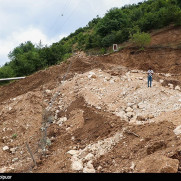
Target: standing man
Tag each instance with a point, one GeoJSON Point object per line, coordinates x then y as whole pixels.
{"type": "Point", "coordinates": [150, 74]}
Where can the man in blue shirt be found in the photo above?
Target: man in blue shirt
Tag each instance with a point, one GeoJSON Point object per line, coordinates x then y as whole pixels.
{"type": "Point", "coordinates": [150, 74]}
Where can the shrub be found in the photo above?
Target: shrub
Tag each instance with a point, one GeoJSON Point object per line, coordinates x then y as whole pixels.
{"type": "Point", "coordinates": [141, 39]}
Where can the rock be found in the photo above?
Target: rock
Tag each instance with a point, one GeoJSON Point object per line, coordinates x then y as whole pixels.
{"type": "Point", "coordinates": [15, 159]}
{"type": "Point", "coordinates": [156, 146]}
{"type": "Point", "coordinates": [91, 75]}
{"type": "Point", "coordinates": [111, 81]}
{"type": "Point", "coordinates": [48, 92]}
{"type": "Point", "coordinates": [171, 86]}
{"type": "Point", "coordinates": [168, 75]}
{"type": "Point", "coordinates": [156, 163]}
{"type": "Point", "coordinates": [89, 156]}
{"type": "Point", "coordinates": [77, 165]}
{"type": "Point", "coordinates": [161, 81]}
{"type": "Point", "coordinates": [5, 148]}
{"type": "Point", "coordinates": [61, 120]}
{"type": "Point", "coordinates": [6, 170]}
{"type": "Point", "coordinates": [177, 87]}
{"type": "Point", "coordinates": [132, 166]}
{"type": "Point", "coordinates": [134, 71]}
{"type": "Point", "coordinates": [141, 105]}
{"type": "Point", "coordinates": [107, 78]}
{"type": "Point", "coordinates": [177, 130]}
{"type": "Point", "coordinates": [89, 168]}
{"type": "Point", "coordinates": [129, 114]}
{"type": "Point", "coordinates": [150, 116]}
{"type": "Point", "coordinates": [72, 152]}
{"type": "Point", "coordinates": [13, 150]}
{"type": "Point", "coordinates": [129, 109]}
{"type": "Point", "coordinates": [130, 104]}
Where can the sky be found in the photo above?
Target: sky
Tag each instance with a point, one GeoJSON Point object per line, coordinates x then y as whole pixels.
{"type": "Point", "coordinates": [46, 20]}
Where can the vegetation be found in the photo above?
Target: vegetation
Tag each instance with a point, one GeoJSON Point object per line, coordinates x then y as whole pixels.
{"type": "Point", "coordinates": [117, 26]}
{"type": "Point", "coordinates": [141, 40]}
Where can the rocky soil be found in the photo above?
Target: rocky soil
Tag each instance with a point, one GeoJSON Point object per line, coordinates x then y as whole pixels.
{"type": "Point", "coordinates": [102, 118]}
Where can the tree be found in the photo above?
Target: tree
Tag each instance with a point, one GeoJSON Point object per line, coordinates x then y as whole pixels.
{"type": "Point", "coordinates": [141, 39]}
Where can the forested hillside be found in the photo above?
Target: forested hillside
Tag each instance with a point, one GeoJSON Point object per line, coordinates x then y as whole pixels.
{"type": "Point", "coordinates": [117, 26]}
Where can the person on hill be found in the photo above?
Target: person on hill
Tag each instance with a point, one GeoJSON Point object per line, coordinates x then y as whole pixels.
{"type": "Point", "coordinates": [150, 74]}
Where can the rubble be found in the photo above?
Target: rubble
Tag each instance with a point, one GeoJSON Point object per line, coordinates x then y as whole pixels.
{"type": "Point", "coordinates": [85, 132]}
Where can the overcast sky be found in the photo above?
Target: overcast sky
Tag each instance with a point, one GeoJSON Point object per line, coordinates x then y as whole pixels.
{"type": "Point", "coordinates": [46, 20]}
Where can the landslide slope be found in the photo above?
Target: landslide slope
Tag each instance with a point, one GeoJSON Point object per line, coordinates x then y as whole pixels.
{"type": "Point", "coordinates": [101, 118]}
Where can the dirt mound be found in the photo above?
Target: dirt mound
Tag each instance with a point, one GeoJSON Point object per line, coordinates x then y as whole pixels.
{"type": "Point", "coordinates": [101, 118]}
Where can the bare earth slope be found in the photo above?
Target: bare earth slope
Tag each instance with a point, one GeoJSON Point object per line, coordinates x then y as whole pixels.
{"type": "Point", "coordinates": [102, 118]}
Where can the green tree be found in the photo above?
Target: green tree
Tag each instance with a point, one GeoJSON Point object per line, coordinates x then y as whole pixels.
{"type": "Point", "coordinates": [141, 39]}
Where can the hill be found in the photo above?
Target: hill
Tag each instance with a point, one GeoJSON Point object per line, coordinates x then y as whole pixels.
{"type": "Point", "coordinates": [96, 113]}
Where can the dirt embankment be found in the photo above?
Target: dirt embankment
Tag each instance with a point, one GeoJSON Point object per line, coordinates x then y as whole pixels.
{"type": "Point", "coordinates": [104, 118]}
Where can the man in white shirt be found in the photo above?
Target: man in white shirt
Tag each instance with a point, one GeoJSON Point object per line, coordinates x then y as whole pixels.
{"type": "Point", "coordinates": [150, 74]}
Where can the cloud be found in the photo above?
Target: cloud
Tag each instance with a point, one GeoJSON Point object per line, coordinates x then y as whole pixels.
{"type": "Point", "coordinates": [35, 20]}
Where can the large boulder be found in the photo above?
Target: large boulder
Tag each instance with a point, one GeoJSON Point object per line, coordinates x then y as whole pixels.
{"type": "Point", "coordinates": [156, 163]}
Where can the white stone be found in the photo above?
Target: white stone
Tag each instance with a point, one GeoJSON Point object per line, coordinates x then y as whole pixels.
{"type": "Point", "coordinates": [141, 105]}
{"type": "Point", "coordinates": [177, 87]}
{"type": "Point", "coordinates": [5, 148]}
{"type": "Point", "coordinates": [92, 75]}
{"type": "Point", "coordinates": [61, 120]}
{"type": "Point", "coordinates": [77, 165]}
{"type": "Point", "coordinates": [15, 159]}
{"type": "Point", "coordinates": [132, 166]}
{"type": "Point", "coordinates": [161, 81]}
{"type": "Point", "coordinates": [134, 71]}
{"type": "Point", "coordinates": [171, 86]}
{"type": "Point", "coordinates": [6, 170]}
{"type": "Point", "coordinates": [111, 81]}
{"type": "Point", "coordinates": [48, 91]}
{"type": "Point", "coordinates": [167, 75]}
{"type": "Point", "coordinates": [129, 114]}
{"type": "Point", "coordinates": [13, 150]}
{"type": "Point", "coordinates": [73, 152]}
{"type": "Point", "coordinates": [89, 168]}
{"type": "Point", "coordinates": [89, 156]}
{"type": "Point", "coordinates": [129, 109]}
{"type": "Point", "coordinates": [177, 130]}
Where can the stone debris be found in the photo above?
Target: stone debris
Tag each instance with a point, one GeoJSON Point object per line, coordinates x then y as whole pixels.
{"type": "Point", "coordinates": [177, 87]}
{"type": "Point", "coordinates": [7, 169]}
{"type": "Point", "coordinates": [177, 130]}
{"type": "Point", "coordinates": [5, 148]}
{"type": "Point", "coordinates": [113, 92]}
{"type": "Point", "coordinates": [92, 152]}
{"type": "Point", "coordinates": [124, 96]}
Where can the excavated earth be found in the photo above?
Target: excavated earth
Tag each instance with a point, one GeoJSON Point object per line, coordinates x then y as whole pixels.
{"type": "Point", "coordinates": [95, 114]}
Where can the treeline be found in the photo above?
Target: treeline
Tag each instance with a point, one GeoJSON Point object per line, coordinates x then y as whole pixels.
{"type": "Point", "coordinates": [117, 26]}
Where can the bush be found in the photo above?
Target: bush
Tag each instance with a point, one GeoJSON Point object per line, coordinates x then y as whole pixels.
{"type": "Point", "coordinates": [141, 39]}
